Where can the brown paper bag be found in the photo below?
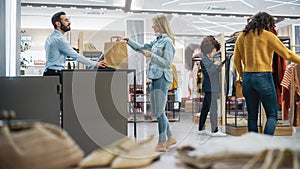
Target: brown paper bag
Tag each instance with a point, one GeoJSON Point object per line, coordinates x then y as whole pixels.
{"type": "Point", "coordinates": [36, 146]}
{"type": "Point", "coordinates": [115, 54]}
{"type": "Point", "coordinates": [238, 89]}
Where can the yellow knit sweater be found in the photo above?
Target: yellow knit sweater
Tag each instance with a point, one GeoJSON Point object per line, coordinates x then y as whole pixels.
{"type": "Point", "coordinates": [253, 53]}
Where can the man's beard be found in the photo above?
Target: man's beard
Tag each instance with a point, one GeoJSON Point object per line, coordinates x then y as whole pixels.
{"type": "Point", "coordinates": [65, 28]}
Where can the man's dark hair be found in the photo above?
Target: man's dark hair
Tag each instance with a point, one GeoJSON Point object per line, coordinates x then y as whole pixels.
{"type": "Point", "coordinates": [56, 18]}
{"type": "Point", "coordinates": [208, 44]}
{"type": "Point", "coordinates": [260, 21]}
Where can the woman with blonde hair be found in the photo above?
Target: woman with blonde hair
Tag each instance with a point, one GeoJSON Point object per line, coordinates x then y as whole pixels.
{"type": "Point", "coordinates": [161, 52]}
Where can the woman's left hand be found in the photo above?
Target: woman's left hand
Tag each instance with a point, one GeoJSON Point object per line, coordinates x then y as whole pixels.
{"type": "Point", "coordinates": [146, 53]}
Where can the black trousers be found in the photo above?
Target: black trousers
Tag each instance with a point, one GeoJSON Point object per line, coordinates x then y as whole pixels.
{"type": "Point", "coordinates": [209, 105]}
{"type": "Point", "coordinates": [51, 72]}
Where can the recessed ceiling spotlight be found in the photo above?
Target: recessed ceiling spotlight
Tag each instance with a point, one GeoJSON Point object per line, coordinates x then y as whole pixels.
{"type": "Point", "coordinates": [73, 7]}
{"type": "Point", "coordinates": [58, 7]}
{"type": "Point", "coordinates": [29, 6]}
{"type": "Point", "coordinates": [43, 6]}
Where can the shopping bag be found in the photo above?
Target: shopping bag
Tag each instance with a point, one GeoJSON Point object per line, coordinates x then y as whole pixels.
{"type": "Point", "coordinates": [115, 53]}
{"type": "Point", "coordinates": [174, 84]}
{"type": "Point", "coordinates": [36, 146]}
{"type": "Point", "coordinates": [238, 89]}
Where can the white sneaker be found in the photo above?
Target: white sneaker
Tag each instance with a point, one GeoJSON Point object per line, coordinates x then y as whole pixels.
{"type": "Point", "coordinates": [204, 132]}
{"type": "Point", "coordinates": [218, 134]}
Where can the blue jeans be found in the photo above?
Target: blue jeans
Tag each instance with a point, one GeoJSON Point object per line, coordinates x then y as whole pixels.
{"type": "Point", "coordinates": [158, 99]}
{"type": "Point", "coordinates": [259, 87]}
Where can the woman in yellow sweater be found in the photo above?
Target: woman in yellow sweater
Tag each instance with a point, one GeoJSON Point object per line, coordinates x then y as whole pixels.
{"type": "Point", "coordinates": [253, 55]}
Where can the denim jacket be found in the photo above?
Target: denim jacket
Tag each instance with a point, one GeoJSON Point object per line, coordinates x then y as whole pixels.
{"type": "Point", "coordinates": [163, 52]}
{"type": "Point", "coordinates": [57, 49]}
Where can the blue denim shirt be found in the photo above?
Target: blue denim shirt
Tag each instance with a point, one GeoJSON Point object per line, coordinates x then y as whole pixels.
{"type": "Point", "coordinates": [163, 52]}
{"type": "Point", "coordinates": [57, 49]}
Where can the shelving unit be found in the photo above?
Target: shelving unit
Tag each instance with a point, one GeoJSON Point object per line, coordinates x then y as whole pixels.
{"type": "Point", "coordinates": [143, 106]}
{"type": "Point", "coordinates": [172, 107]}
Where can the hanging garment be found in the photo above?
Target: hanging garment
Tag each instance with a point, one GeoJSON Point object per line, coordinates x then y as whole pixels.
{"type": "Point", "coordinates": [279, 68]}
{"type": "Point", "coordinates": [286, 86]}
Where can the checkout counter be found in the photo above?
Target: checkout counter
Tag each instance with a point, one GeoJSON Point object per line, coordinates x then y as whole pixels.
{"type": "Point", "coordinates": [91, 105]}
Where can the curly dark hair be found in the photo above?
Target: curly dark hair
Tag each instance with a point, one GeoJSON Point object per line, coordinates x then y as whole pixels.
{"type": "Point", "coordinates": [208, 44]}
{"type": "Point", "coordinates": [259, 22]}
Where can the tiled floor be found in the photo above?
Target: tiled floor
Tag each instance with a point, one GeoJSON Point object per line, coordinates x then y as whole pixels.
{"type": "Point", "coordinates": [185, 132]}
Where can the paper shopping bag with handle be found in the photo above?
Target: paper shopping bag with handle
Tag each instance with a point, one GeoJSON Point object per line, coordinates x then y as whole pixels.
{"type": "Point", "coordinates": [115, 53]}
{"type": "Point", "coordinates": [37, 145]}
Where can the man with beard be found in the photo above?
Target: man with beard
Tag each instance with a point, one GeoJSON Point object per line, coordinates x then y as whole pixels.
{"type": "Point", "coordinates": [57, 48]}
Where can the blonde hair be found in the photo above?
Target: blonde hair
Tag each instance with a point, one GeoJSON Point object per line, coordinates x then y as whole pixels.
{"type": "Point", "coordinates": [164, 26]}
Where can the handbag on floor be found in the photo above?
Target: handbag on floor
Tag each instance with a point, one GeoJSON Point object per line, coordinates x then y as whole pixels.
{"type": "Point", "coordinates": [37, 145]}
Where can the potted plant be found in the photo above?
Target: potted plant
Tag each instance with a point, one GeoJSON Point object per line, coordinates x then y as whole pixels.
{"type": "Point", "coordinates": [23, 48]}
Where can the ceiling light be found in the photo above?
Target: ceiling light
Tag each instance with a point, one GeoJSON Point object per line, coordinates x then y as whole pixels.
{"type": "Point", "coordinates": [280, 3]}
{"type": "Point", "coordinates": [199, 22]}
{"type": "Point", "coordinates": [206, 2]}
{"type": "Point", "coordinates": [73, 7]}
{"type": "Point", "coordinates": [101, 1]}
{"type": "Point", "coordinates": [169, 2]}
{"type": "Point", "coordinates": [246, 3]}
